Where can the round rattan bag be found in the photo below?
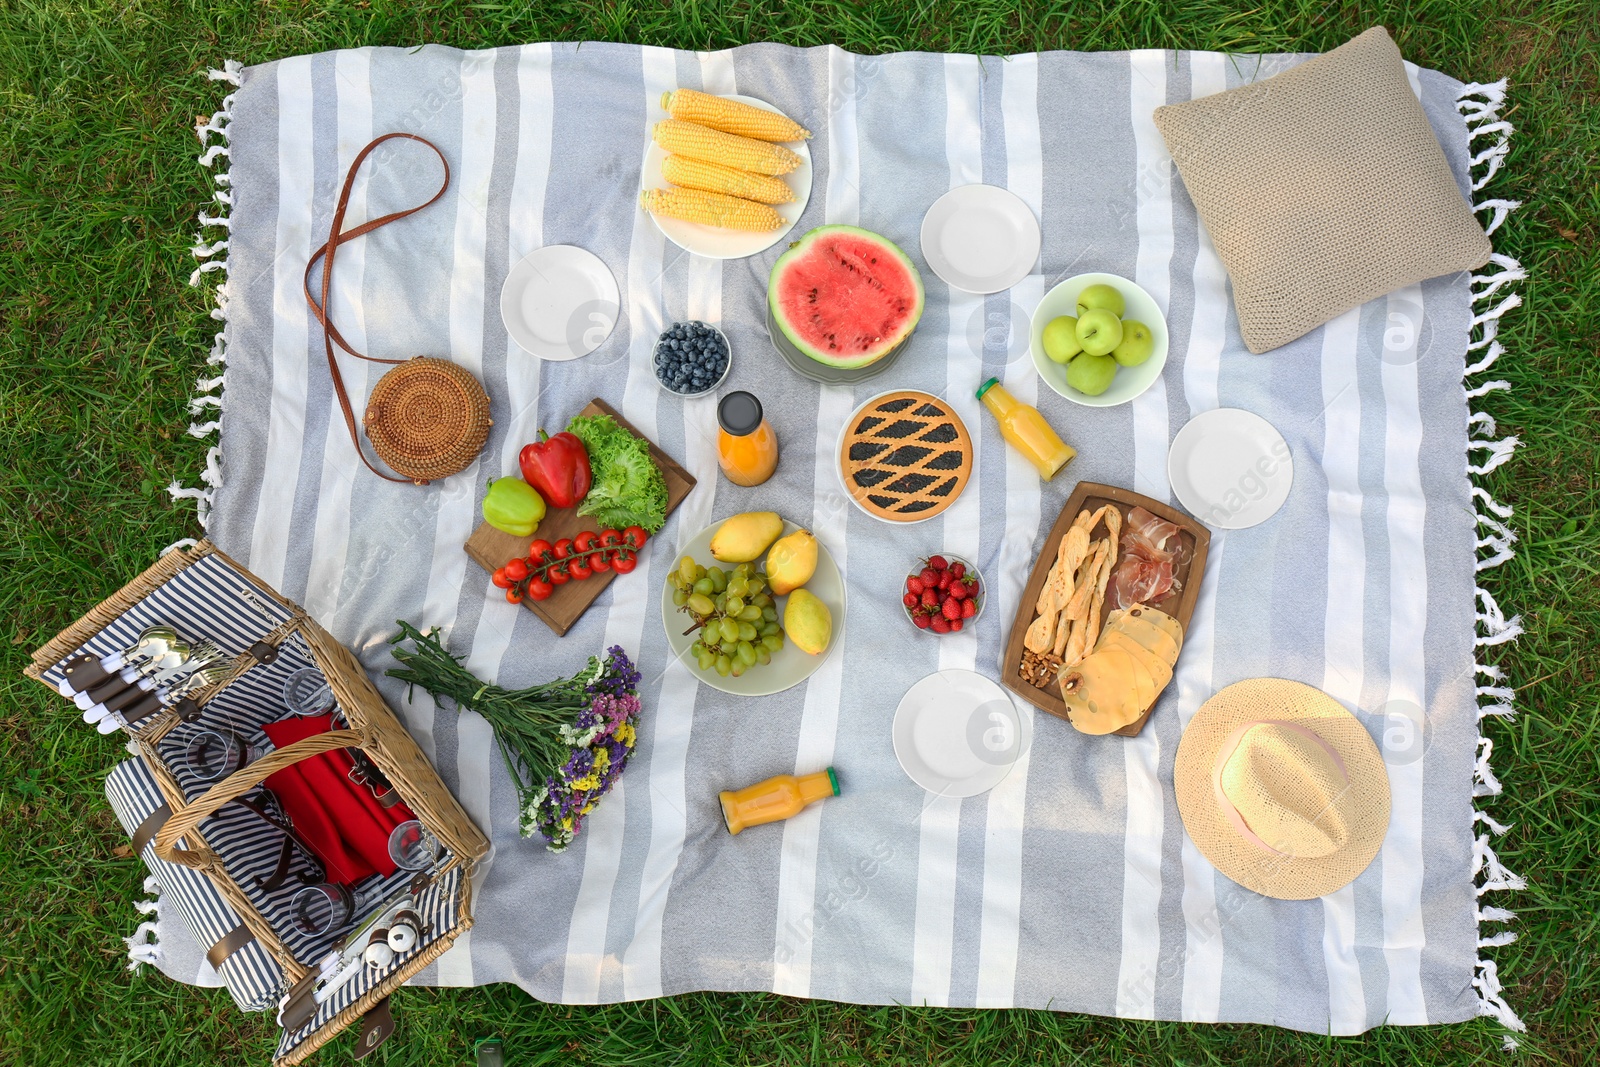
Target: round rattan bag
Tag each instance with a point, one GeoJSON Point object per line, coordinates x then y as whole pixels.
{"type": "Point", "coordinates": [427, 418]}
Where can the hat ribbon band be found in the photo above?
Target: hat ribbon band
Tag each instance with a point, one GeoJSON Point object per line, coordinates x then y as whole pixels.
{"type": "Point", "coordinates": [1226, 752]}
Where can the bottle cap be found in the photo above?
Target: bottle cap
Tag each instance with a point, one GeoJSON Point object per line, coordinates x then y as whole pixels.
{"type": "Point", "coordinates": [833, 780]}
{"type": "Point", "coordinates": [739, 413]}
{"type": "Point", "coordinates": [984, 388]}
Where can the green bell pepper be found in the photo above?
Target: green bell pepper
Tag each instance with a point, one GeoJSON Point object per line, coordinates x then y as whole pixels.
{"type": "Point", "coordinates": [513, 506]}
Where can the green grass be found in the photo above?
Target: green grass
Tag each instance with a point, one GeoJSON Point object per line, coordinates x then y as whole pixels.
{"type": "Point", "coordinates": [102, 342]}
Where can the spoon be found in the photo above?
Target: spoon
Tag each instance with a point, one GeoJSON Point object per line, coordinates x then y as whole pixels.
{"type": "Point", "coordinates": [152, 642]}
{"type": "Point", "coordinates": [176, 655]}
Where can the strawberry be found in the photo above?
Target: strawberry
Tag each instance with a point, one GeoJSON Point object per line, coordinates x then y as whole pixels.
{"type": "Point", "coordinates": [911, 600]}
{"type": "Point", "coordinates": [937, 563]}
{"type": "Point", "coordinates": [940, 624]}
{"type": "Point", "coordinates": [944, 581]}
{"type": "Point", "coordinates": [929, 576]}
{"type": "Point", "coordinates": [969, 608]}
{"type": "Point", "coordinates": [955, 626]}
{"type": "Point", "coordinates": [930, 599]}
{"type": "Point", "coordinates": [922, 621]}
{"type": "Point", "coordinates": [957, 569]}
{"type": "Point", "coordinates": [959, 590]}
{"type": "Point", "coordinates": [915, 584]}
{"type": "Point", "coordinates": [951, 608]}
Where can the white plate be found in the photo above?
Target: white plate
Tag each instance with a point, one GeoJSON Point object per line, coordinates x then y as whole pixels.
{"type": "Point", "coordinates": [789, 666]}
{"type": "Point", "coordinates": [714, 242]}
{"type": "Point", "coordinates": [958, 734]}
{"type": "Point", "coordinates": [560, 302]}
{"type": "Point", "coordinates": [1130, 381]}
{"type": "Point", "coordinates": [1230, 468]}
{"type": "Point", "coordinates": [980, 238]}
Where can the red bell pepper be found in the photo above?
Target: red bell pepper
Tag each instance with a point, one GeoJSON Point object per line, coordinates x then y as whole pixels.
{"type": "Point", "coordinates": [558, 467]}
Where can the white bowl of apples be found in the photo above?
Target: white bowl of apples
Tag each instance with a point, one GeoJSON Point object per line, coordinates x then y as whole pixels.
{"type": "Point", "coordinates": [1098, 340]}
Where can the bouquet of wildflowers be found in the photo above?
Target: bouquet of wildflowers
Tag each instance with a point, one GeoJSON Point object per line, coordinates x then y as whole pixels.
{"type": "Point", "coordinates": [565, 742]}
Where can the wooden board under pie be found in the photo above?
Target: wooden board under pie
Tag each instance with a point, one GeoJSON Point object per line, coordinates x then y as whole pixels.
{"type": "Point", "coordinates": [1178, 602]}
{"type": "Point", "coordinates": [491, 548]}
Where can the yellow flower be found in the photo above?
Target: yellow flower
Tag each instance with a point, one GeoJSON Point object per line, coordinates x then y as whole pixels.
{"type": "Point", "coordinates": [587, 782]}
{"type": "Point", "coordinates": [566, 824]}
{"type": "Point", "coordinates": [602, 760]}
{"type": "Point", "coordinates": [626, 734]}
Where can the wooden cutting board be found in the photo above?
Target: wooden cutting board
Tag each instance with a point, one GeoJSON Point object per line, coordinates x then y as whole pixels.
{"type": "Point", "coordinates": [491, 548]}
{"type": "Point", "coordinates": [1178, 604]}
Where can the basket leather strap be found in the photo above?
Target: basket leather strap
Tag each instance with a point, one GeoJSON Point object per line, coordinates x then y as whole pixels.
{"type": "Point", "coordinates": [228, 944]}
{"type": "Point", "coordinates": [236, 785]}
{"type": "Point", "coordinates": [336, 237]}
{"type": "Point", "coordinates": [148, 829]}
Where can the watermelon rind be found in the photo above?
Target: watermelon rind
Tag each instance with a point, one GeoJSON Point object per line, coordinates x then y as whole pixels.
{"type": "Point", "coordinates": [803, 339]}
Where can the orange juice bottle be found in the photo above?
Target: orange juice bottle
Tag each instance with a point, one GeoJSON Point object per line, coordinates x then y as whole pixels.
{"type": "Point", "coordinates": [1025, 429]}
{"type": "Point", "coordinates": [747, 449]}
{"type": "Point", "coordinates": [779, 797]}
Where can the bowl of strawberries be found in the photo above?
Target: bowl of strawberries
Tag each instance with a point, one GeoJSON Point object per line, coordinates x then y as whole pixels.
{"type": "Point", "coordinates": [945, 596]}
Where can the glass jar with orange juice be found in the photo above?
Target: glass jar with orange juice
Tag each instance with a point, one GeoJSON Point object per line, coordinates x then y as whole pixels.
{"type": "Point", "coordinates": [747, 447]}
{"type": "Point", "coordinates": [1025, 429]}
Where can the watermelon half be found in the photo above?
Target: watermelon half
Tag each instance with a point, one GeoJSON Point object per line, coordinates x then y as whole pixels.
{"type": "Point", "coordinates": [845, 296]}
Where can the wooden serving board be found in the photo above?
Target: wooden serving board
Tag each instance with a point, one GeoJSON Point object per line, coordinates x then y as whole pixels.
{"type": "Point", "coordinates": [491, 548]}
{"type": "Point", "coordinates": [1180, 605]}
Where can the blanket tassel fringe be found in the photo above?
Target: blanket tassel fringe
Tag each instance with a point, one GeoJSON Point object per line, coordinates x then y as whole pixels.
{"type": "Point", "coordinates": [1490, 136]}
{"type": "Point", "coordinates": [211, 248]}
{"type": "Point", "coordinates": [145, 944]}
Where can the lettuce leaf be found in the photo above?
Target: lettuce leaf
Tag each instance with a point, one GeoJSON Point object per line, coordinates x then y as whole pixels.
{"type": "Point", "coordinates": [627, 488]}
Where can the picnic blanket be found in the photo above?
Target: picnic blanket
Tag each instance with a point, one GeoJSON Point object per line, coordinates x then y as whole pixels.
{"type": "Point", "coordinates": [1070, 886]}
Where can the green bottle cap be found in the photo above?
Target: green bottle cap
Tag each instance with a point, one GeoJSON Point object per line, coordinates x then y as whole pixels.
{"type": "Point", "coordinates": [833, 779]}
{"type": "Point", "coordinates": [984, 388]}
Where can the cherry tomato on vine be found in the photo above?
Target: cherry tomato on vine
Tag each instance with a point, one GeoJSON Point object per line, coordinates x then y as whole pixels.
{"type": "Point", "coordinates": [597, 562]}
{"type": "Point", "coordinates": [501, 579]}
{"type": "Point", "coordinates": [635, 537]}
{"type": "Point", "coordinates": [557, 574]}
{"type": "Point", "coordinates": [539, 549]}
{"type": "Point", "coordinates": [583, 544]}
{"type": "Point", "coordinates": [540, 590]}
{"type": "Point", "coordinates": [516, 569]}
{"type": "Point", "coordinates": [624, 564]}
{"type": "Point", "coordinates": [610, 539]}
{"type": "Point", "coordinates": [562, 548]}
{"type": "Point", "coordinates": [578, 569]}
{"type": "Point", "coordinates": [515, 594]}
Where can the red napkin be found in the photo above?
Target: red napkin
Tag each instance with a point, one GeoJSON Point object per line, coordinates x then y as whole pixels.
{"type": "Point", "coordinates": [339, 819]}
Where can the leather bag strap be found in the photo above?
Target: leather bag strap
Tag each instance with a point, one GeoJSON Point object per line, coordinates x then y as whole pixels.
{"type": "Point", "coordinates": [338, 236]}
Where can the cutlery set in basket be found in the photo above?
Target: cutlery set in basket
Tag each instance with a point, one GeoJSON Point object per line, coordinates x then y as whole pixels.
{"type": "Point", "coordinates": [291, 822]}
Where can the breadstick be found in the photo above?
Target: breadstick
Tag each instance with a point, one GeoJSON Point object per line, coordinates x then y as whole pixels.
{"type": "Point", "coordinates": [1077, 610]}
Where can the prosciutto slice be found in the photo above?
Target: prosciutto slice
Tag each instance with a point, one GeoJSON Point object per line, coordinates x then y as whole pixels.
{"type": "Point", "coordinates": [1152, 551]}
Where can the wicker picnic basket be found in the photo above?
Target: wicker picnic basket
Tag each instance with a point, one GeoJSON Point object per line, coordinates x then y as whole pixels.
{"type": "Point", "coordinates": [198, 580]}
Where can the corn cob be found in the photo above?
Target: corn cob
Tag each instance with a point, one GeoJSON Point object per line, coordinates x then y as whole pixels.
{"type": "Point", "coordinates": [732, 116]}
{"type": "Point", "coordinates": [715, 178]}
{"type": "Point", "coordinates": [729, 149]}
{"type": "Point", "coordinates": [711, 209]}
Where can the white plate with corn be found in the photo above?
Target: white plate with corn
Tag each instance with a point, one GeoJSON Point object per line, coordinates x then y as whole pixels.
{"type": "Point", "coordinates": [724, 176]}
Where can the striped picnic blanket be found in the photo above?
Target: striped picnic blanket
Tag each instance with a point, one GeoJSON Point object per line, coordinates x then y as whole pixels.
{"type": "Point", "coordinates": [1071, 885]}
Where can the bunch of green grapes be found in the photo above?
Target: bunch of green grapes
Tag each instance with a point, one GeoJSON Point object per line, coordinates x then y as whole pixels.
{"type": "Point", "coordinates": [735, 612]}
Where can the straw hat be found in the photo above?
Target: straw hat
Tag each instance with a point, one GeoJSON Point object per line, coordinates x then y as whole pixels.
{"type": "Point", "coordinates": [1282, 788]}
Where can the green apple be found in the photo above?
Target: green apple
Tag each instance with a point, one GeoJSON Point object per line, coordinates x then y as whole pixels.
{"type": "Point", "coordinates": [1061, 338]}
{"type": "Point", "coordinates": [1137, 343]}
{"type": "Point", "coordinates": [1099, 331]}
{"type": "Point", "coordinates": [1091, 374]}
{"type": "Point", "coordinates": [1101, 296]}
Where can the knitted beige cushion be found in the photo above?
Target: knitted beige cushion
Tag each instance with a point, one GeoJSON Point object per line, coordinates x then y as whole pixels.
{"type": "Point", "coordinates": [1322, 188]}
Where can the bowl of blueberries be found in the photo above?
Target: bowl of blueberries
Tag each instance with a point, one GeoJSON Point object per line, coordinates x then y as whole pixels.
{"type": "Point", "coordinates": [692, 358]}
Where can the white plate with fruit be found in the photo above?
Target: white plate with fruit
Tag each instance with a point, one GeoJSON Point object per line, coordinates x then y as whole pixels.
{"type": "Point", "coordinates": [1098, 340]}
{"type": "Point", "coordinates": [801, 609]}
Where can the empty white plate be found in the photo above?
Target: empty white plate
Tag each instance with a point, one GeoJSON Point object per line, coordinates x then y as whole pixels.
{"type": "Point", "coordinates": [715, 242]}
{"type": "Point", "coordinates": [958, 734]}
{"type": "Point", "coordinates": [1231, 468]}
{"type": "Point", "coordinates": [980, 238]}
{"type": "Point", "coordinates": [560, 302]}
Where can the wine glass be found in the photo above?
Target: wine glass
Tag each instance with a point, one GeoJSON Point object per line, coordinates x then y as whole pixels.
{"type": "Point", "coordinates": [413, 847]}
{"type": "Point", "coordinates": [322, 908]}
{"type": "Point", "coordinates": [306, 692]}
{"type": "Point", "coordinates": [214, 754]}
